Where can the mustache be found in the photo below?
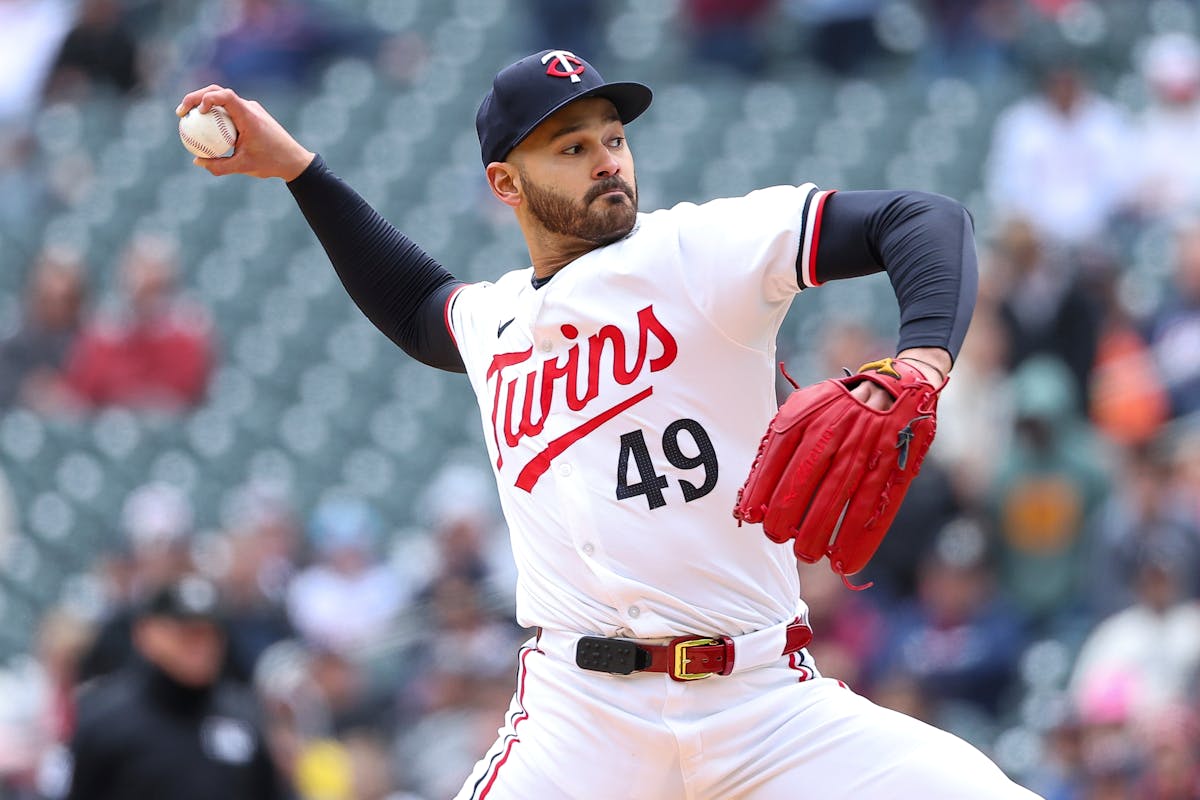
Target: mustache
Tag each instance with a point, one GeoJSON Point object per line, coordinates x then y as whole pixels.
{"type": "Point", "coordinates": [614, 183]}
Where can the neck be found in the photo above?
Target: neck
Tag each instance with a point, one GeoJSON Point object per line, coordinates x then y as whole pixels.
{"type": "Point", "coordinates": [548, 253]}
{"type": "Point", "coordinates": [171, 694]}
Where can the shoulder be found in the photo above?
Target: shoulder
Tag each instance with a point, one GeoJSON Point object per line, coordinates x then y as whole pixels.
{"type": "Point", "coordinates": [237, 701]}
{"type": "Point", "coordinates": [782, 193]}
{"type": "Point", "coordinates": [487, 300]}
{"type": "Point", "coordinates": [105, 702]}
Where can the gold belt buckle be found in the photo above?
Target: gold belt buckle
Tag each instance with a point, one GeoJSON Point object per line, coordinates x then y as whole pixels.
{"type": "Point", "coordinates": [680, 672]}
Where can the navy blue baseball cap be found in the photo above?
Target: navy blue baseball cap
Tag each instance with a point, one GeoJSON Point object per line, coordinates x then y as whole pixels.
{"type": "Point", "coordinates": [524, 94]}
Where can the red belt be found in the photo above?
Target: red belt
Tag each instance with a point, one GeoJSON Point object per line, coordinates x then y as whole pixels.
{"type": "Point", "coordinates": [684, 658]}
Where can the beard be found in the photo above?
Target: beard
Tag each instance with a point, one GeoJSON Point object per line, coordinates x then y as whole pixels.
{"type": "Point", "coordinates": [597, 220]}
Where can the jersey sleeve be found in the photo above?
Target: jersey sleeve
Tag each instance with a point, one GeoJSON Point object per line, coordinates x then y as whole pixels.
{"type": "Point", "coordinates": [472, 315]}
{"type": "Point", "coordinates": [745, 258]}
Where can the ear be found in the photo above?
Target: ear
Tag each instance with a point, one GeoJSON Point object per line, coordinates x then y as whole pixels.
{"type": "Point", "coordinates": [505, 183]}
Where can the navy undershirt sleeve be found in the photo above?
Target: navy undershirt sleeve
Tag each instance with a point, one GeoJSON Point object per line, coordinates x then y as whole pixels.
{"type": "Point", "coordinates": [925, 242]}
{"type": "Point", "coordinates": [396, 284]}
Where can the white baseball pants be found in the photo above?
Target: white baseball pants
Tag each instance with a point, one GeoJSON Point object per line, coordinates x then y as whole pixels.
{"type": "Point", "coordinates": [779, 731]}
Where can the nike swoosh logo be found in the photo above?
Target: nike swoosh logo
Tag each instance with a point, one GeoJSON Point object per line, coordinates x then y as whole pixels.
{"type": "Point", "coordinates": [504, 325]}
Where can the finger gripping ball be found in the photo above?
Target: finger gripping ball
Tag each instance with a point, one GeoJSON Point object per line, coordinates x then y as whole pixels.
{"type": "Point", "coordinates": [208, 135]}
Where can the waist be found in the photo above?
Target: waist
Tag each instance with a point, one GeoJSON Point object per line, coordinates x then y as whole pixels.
{"type": "Point", "coordinates": [688, 657]}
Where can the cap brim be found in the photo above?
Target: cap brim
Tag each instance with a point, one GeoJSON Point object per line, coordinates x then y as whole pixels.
{"type": "Point", "coordinates": [631, 99]}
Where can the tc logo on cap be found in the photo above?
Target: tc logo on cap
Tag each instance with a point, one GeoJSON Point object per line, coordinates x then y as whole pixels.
{"type": "Point", "coordinates": [563, 64]}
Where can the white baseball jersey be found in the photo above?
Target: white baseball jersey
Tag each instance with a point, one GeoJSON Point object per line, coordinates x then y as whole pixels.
{"type": "Point", "coordinates": [623, 403]}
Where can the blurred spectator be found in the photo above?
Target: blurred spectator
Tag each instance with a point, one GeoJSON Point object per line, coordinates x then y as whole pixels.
{"type": "Point", "coordinates": [969, 37]}
{"type": "Point", "coordinates": [463, 687]}
{"type": "Point", "coordinates": [1128, 401]}
{"type": "Point", "coordinates": [975, 418]}
{"type": "Point", "coordinates": [32, 358]}
{"type": "Point", "coordinates": [1172, 743]}
{"type": "Point", "coordinates": [257, 620]}
{"type": "Point", "coordinates": [167, 726]}
{"type": "Point", "coordinates": [1045, 307]}
{"type": "Point", "coordinates": [573, 25]}
{"type": "Point", "coordinates": [905, 693]}
{"type": "Point", "coordinates": [957, 639]}
{"type": "Point", "coordinates": [1048, 484]}
{"type": "Point", "coordinates": [152, 353]}
{"type": "Point", "coordinates": [1153, 644]}
{"type": "Point", "coordinates": [839, 34]}
{"type": "Point", "coordinates": [270, 45]}
{"type": "Point", "coordinates": [848, 628]}
{"type": "Point", "coordinates": [98, 53]}
{"type": "Point", "coordinates": [157, 522]}
{"type": "Point", "coordinates": [62, 638]}
{"type": "Point", "coordinates": [1060, 774]}
{"type": "Point", "coordinates": [372, 769]}
{"type": "Point", "coordinates": [459, 505]}
{"type": "Point", "coordinates": [38, 711]}
{"type": "Point", "coordinates": [1174, 328]}
{"type": "Point", "coordinates": [468, 640]}
{"type": "Point", "coordinates": [1169, 127]}
{"type": "Point", "coordinates": [30, 34]}
{"type": "Point", "coordinates": [729, 33]}
{"type": "Point", "coordinates": [1142, 518]}
{"type": "Point", "coordinates": [347, 598]}
{"type": "Point", "coordinates": [1185, 472]}
{"type": "Point", "coordinates": [931, 502]}
{"type": "Point", "coordinates": [261, 545]}
{"type": "Point", "coordinates": [263, 512]}
{"type": "Point", "coordinates": [1059, 159]}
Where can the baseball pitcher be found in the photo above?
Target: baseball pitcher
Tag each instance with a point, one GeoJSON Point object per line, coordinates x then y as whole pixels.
{"type": "Point", "coordinates": [625, 382]}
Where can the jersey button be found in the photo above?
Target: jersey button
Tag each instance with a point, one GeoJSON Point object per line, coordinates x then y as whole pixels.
{"type": "Point", "coordinates": [588, 548]}
{"type": "Point", "coordinates": [546, 345]}
{"type": "Point", "coordinates": [634, 611]}
{"type": "Point", "coordinates": [564, 470]}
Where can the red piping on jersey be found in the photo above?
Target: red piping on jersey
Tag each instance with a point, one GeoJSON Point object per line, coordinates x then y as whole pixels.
{"type": "Point", "coordinates": [541, 462]}
{"type": "Point", "coordinates": [805, 672]}
{"type": "Point", "coordinates": [524, 715]}
{"type": "Point", "coordinates": [811, 277]}
{"type": "Point", "coordinates": [446, 312]}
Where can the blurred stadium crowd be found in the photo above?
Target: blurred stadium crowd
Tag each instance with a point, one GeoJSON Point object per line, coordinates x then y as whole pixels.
{"type": "Point", "coordinates": [185, 388]}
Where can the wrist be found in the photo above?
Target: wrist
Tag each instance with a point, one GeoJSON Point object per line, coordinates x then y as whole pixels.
{"type": "Point", "coordinates": [933, 362]}
{"type": "Point", "coordinates": [297, 165]}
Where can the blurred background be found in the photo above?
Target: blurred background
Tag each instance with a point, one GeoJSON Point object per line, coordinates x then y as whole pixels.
{"type": "Point", "coordinates": [184, 386]}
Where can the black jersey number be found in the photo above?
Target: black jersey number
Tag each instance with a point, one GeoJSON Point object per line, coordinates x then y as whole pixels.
{"type": "Point", "coordinates": [650, 483]}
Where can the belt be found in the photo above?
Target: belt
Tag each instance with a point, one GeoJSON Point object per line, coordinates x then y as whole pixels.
{"type": "Point", "coordinates": [684, 658]}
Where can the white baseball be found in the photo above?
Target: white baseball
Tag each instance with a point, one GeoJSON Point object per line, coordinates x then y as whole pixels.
{"type": "Point", "coordinates": [208, 135]}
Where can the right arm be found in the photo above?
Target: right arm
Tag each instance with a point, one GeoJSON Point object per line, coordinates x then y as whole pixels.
{"type": "Point", "coordinates": [396, 284]}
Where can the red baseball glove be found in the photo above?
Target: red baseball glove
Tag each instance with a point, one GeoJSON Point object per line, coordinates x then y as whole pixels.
{"type": "Point", "coordinates": [831, 472]}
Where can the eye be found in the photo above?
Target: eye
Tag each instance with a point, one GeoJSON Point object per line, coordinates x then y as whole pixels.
{"type": "Point", "coordinates": [572, 150]}
{"type": "Point", "coordinates": [617, 142]}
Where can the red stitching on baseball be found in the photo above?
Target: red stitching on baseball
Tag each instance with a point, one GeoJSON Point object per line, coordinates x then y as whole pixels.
{"type": "Point", "coordinates": [219, 116]}
{"type": "Point", "coordinates": [205, 149]}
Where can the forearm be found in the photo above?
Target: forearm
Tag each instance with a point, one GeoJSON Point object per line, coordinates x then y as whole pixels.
{"type": "Point", "coordinates": [925, 243]}
{"type": "Point", "coordinates": [395, 283]}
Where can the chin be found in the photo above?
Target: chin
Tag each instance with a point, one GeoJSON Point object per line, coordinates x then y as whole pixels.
{"type": "Point", "coordinates": [617, 232]}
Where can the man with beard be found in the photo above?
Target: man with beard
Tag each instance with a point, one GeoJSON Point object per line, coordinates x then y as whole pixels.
{"type": "Point", "coordinates": [624, 380]}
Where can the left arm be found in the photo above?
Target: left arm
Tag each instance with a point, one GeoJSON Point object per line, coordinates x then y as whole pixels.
{"type": "Point", "coordinates": [925, 243]}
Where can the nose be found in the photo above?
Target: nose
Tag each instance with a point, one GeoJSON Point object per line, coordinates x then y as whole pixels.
{"type": "Point", "coordinates": [606, 166]}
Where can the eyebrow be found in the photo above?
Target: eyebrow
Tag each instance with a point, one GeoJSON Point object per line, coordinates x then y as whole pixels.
{"type": "Point", "coordinates": [577, 126]}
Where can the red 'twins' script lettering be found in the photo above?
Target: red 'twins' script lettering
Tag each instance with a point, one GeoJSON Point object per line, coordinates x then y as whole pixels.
{"type": "Point", "coordinates": [526, 399]}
